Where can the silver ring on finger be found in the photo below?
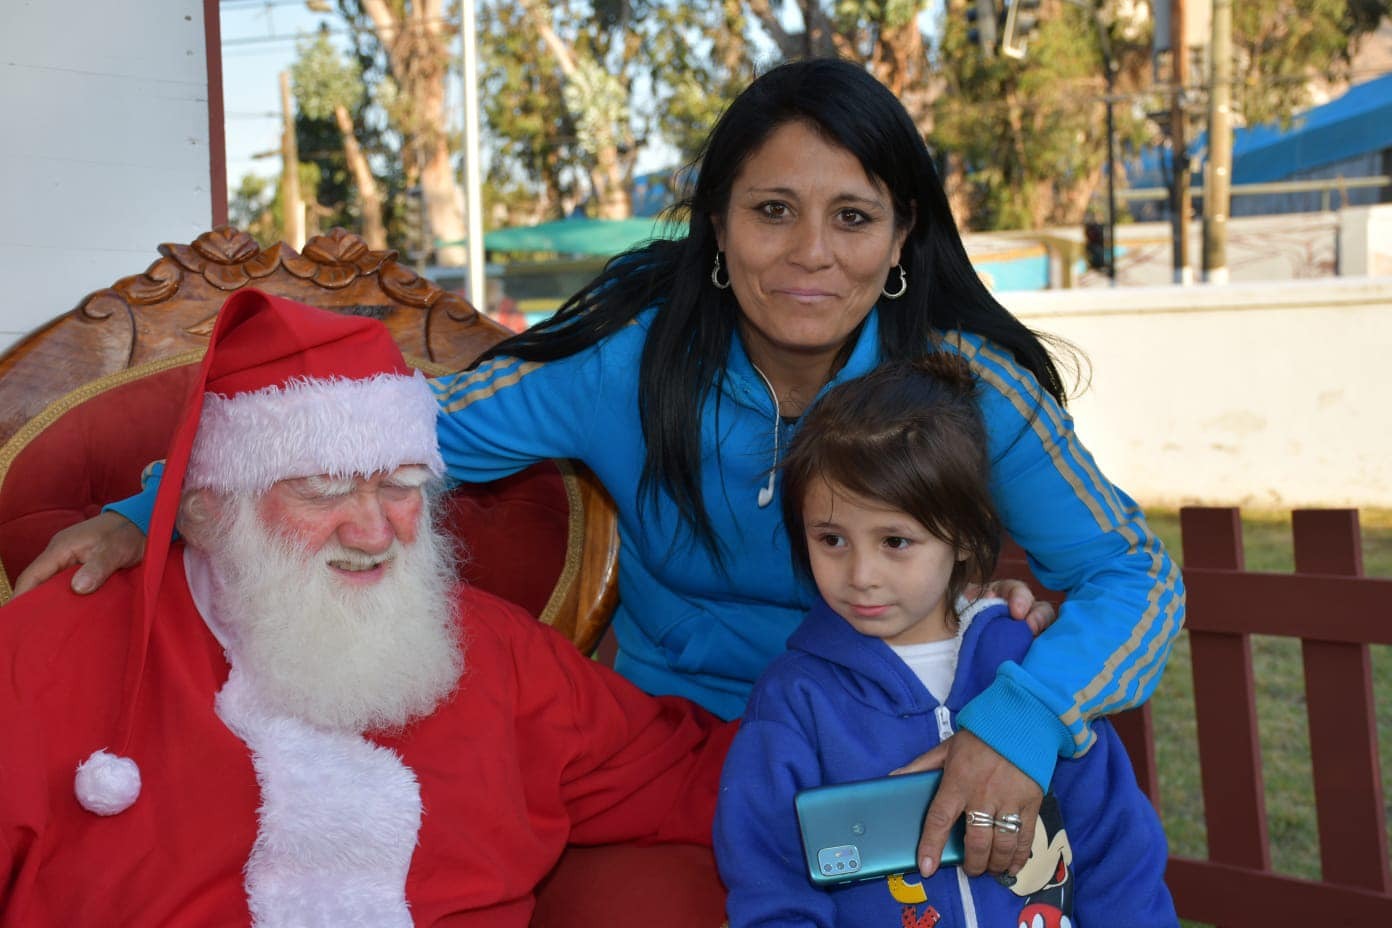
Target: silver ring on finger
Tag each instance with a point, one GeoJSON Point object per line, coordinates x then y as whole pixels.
{"type": "Point", "coordinates": [978, 819]}
{"type": "Point", "coordinates": [1008, 824]}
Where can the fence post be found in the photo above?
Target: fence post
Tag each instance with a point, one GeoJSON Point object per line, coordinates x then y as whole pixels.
{"type": "Point", "coordinates": [1343, 726]}
{"type": "Point", "coordinates": [1225, 705]}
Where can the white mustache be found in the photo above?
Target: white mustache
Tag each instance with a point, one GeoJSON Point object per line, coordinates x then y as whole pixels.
{"type": "Point", "coordinates": [344, 558]}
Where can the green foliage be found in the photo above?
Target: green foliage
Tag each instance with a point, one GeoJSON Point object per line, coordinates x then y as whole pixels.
{"type": "Point", "coordinates": [250, 209]}
{"type": "Point", "coordinates": [1029, 135]}
{"type": "Point", "coordinates": [644, 70]}
{"type": "Point", "coordinates": [852, 16]}
{"type": "Point", "coordinates": [1282, 46]}
{"type": "Point", "coordinates": [376, 109]}
{"type": "Point", "coordinates": [257, 205]}
{"type": "Point", "coordinates": [323, 78]}
{"type": "Point", "coordinates": [707, 61]}
{"type": "Point", "coordinates": [530, 133]}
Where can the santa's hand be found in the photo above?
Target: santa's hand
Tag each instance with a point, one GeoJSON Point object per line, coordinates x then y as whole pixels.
{"type": "Point", "coordinates": [977, 779]}
{"type": "Point", "coordinates": [1039, 614]}
{"type": "Point", "coordinates": [102, 545]}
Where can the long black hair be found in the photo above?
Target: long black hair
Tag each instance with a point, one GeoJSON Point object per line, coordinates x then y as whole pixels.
{"type": "Point", "coordinates": [690, 336]}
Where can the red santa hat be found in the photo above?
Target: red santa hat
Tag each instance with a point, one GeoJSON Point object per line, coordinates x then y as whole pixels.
{"type": "Point", "coordinates": [285, 390]}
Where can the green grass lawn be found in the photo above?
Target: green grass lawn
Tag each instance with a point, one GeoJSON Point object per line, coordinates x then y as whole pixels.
{"type": "Point", "coordinates": [1282, 723]}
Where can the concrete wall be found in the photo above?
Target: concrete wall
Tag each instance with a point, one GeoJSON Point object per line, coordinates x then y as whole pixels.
{"type": "Point", "coordinates": [1274, 394]}
{"type": "Point", "coordinates": [1365, 241]}
{"type": "Point", "coordinates": [106, 150]}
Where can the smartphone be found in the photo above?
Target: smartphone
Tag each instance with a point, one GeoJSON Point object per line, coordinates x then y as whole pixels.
{"type": "Point", "coordinates": [869, 828]}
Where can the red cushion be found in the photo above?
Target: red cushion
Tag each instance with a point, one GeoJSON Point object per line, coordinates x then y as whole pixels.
{"type": "Point", "coordinates": [88, 456]}
{"type": "Point", "coordinates": [623, 885]}
{"type": "Point", "coordinates": [514, 533]}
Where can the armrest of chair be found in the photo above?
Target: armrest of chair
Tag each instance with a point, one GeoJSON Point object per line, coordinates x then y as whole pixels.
{"type": "Point", "coordinates": [583, 599]}
{"type": "Point", "coordinates": [545, 538]}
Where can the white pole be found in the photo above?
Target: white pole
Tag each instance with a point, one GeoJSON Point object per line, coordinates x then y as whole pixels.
{"type": "Point", "coordinates": [473, 175]}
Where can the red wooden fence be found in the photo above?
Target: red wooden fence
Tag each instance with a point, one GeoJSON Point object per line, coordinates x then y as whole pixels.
{"type": "Point", "coordinates": [1336, 613]}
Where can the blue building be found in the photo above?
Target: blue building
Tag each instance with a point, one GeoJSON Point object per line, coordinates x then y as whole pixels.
{"type": "Point", "coordinates": [1349, 137]}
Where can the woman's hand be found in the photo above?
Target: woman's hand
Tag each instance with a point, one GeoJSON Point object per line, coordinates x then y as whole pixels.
{"type": "Point", "coordinates": [976, 778]}
{"type": "Point", "coordinates": [1020, 599]}
{"type": "Point", "coordinates": [102, 545]}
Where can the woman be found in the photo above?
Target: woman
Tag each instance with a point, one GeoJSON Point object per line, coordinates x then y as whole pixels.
{"type": "Point", "coordinates": [821, 245]}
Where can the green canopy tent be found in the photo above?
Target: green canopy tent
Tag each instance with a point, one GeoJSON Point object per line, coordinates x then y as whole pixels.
{"type": "Point", "coordinates": [547, 263]}
{"type": "Point", "coordinates": [580, 236]}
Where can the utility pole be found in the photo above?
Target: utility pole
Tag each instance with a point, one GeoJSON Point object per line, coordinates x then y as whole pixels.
{"type": "Point", "coordinates": [1179, 146]}
{"type": "Point", "coordinates": [1218, 183]}
{"type": "Point", "coordinates": [1104, 43]}
{"type": "Point", "coordinates": [981, 25]}
{"type": "Point", "coordinates": [291, 206]}
{"type": "Point", "coordinates": [473, 169]}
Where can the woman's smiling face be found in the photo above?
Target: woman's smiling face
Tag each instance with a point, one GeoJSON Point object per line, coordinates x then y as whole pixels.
{"type": "Point", "coordinates": [809, 241]}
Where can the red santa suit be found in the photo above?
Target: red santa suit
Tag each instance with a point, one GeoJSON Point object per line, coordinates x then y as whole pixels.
{"type": "Point", "coordinates": [452, 821]}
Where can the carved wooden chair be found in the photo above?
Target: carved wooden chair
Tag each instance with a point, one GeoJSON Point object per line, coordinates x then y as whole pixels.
{"type": "Point", "coordinates": [112, 373]}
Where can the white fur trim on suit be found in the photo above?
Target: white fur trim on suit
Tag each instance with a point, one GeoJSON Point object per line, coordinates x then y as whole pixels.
{"type": "Point", "coordinates": [338, 822]}
{"type": "Point", "coordinates": [337, 427]}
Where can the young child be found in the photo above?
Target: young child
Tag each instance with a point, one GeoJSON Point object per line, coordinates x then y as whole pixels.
{"type": "Point", "coordinates": [886, 501]}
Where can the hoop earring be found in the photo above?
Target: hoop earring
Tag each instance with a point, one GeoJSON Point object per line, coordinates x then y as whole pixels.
{"type": "Point", "coordinates": [715, 275]}
{"type": "Point", "coordinates": [903, 284]}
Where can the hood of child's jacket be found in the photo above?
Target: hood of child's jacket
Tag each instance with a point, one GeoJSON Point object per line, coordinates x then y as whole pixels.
{"type": "Point", "coordinates": [867, 668]}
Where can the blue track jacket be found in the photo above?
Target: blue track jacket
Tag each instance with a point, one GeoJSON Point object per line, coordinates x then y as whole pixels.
{"type": "Point", "coordinates": [841, 706]}
{"type": "Point", "coordinates": [690, 627]}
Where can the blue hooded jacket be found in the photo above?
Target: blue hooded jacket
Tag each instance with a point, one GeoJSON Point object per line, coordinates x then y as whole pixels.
{"type": "Point", "coordinates": [840, 706]}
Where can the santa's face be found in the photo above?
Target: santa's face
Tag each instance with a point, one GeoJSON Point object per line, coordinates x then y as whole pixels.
{"type": "Point", "coordinates": [357, 520]}
{"type": "Point", "coordinates": [337, 598]}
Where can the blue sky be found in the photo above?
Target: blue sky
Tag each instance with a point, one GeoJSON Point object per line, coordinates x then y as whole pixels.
{"type": "Point", "coordinates": [258, 42]}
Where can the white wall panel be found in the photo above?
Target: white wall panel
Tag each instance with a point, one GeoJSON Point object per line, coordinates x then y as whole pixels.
{"type": "Point", "coordinates": [104, 115]}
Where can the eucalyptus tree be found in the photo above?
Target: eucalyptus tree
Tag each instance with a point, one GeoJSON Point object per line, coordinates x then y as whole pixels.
{"type": "Point", "coordinates": [405, 51]}
{"type": "Point", "coordinates": [329, 99]}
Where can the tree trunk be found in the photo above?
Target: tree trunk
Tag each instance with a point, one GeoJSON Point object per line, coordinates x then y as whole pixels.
{"type": "Point", "coordinates": [444, 202]}
{"type": "Point", "coordinates": [610, 174]}
{"type": "Point", "coordinates": [419, 63]}
{"type": "Point", "coordinates": [291, 205]}
{"type": "Point", "coordinates": [900, 60]}
{"type": "Point", "coordinates": [374, 231]}
{"type": "Point", "coordinates": [611, 190]}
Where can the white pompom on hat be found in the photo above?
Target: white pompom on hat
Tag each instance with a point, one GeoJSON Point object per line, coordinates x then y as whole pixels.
{"type": "Point", "coordinates": [285, 390]}
{"type": "Point", "coordinates": [107, 784]}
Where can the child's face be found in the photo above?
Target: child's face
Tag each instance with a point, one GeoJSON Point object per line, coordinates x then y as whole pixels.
{"type": "Point", "coordinates": [877, 567]}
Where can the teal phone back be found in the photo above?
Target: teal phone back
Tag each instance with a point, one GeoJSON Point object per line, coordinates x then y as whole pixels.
{"type": "Point", "coordinates": [869, 828]}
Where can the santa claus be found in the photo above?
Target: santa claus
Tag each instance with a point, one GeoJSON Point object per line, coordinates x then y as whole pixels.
{"type": "Point", "coordinates": [312, 723]}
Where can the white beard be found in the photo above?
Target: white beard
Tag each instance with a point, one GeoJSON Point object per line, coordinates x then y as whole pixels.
{"type": "Point", "coordinates": [350, 658]}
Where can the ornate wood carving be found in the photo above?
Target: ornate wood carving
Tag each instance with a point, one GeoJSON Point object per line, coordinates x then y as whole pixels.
{"type": "Point", "coordinates": [170, 308]}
